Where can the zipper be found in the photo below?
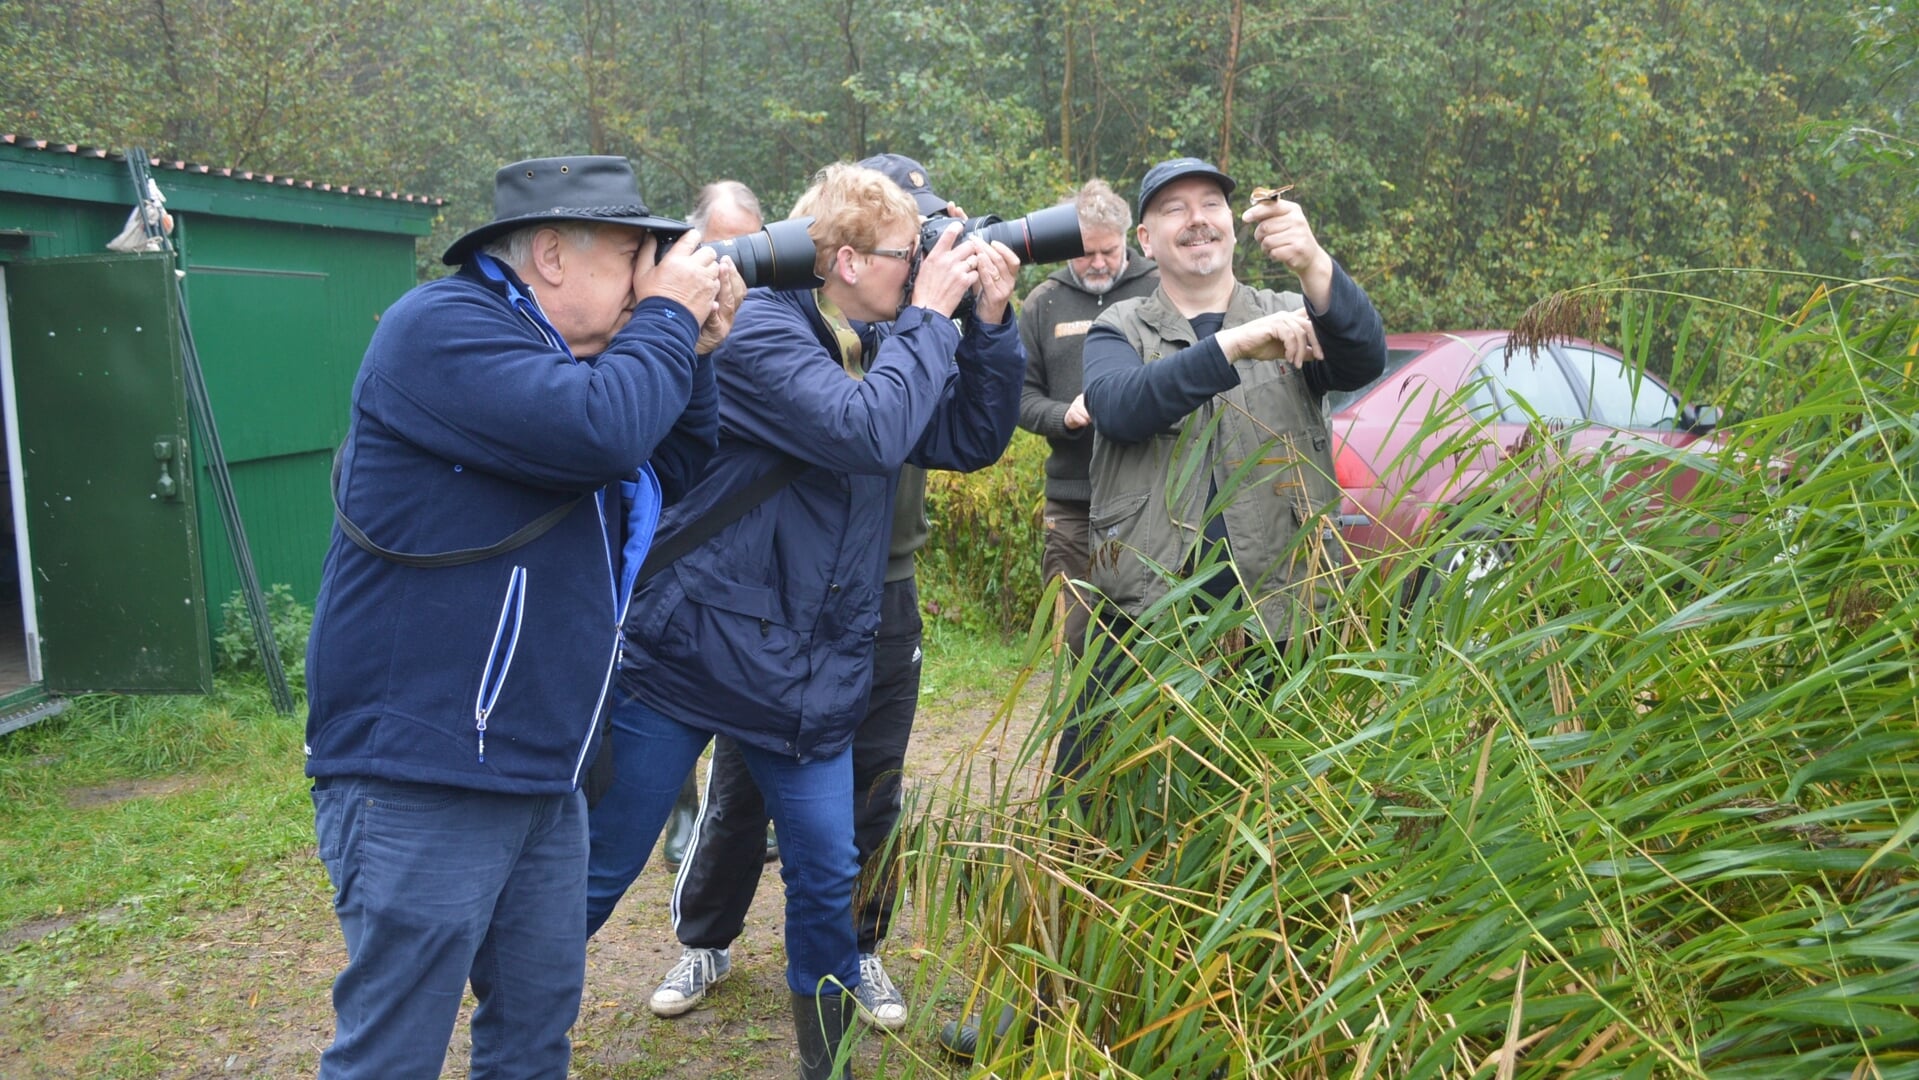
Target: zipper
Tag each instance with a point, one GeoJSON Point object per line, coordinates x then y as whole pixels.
{"type": "Point", "coordinates": [593, 721]}
{"type": "Point", "coordinates": [619, 618]}
{"type": "Point", "coordinates": [491, 682]}
{"type": "Point", "coordinates": [615, 565]}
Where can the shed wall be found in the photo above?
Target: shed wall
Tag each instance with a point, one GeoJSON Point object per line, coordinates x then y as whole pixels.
{"type": "Point", "coordinates": [284, 286]}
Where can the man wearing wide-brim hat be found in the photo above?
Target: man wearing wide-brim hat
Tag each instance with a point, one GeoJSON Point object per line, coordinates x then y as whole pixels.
{"type": "Point", "coordinates": [515, 429]}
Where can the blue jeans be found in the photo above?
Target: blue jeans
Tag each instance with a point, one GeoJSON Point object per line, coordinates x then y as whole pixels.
{"type": "Point", "coordinates": [812, 809]}
{"type": "Point", "coordinates": [722, 869]}
{"type": "Point", "coordinates": [436, 887]}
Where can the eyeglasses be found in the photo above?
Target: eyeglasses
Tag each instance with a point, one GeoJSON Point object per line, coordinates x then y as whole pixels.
{"type": "Point", "coordinates": [902, 254]}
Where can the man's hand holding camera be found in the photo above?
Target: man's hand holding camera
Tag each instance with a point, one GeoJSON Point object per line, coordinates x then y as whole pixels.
{"type": "Point", "coordinates": [998, 270]}
{"type": "Point", "coordinates": [695, 278]}
{"type": "Point", "coordinates": [953, 268]}
{"type": "Point", "coordinates": [725, 306]}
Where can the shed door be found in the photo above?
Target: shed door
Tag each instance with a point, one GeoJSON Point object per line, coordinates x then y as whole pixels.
{"type": "Point", "coordinates": [109, 494]}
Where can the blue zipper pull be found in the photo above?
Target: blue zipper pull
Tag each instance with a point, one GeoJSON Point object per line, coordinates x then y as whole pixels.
{"type": "Point", "coordinates": [482, 730]}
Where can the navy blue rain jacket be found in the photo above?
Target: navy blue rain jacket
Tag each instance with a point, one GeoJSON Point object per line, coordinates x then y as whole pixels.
{"type": "Point", "coordinates": [467, 424]}
{"type": "Point", "coordinates": [765, 632]}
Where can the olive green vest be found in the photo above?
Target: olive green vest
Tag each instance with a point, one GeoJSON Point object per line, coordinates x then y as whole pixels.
{"type": "Point", "coordinates": [1265, 440]}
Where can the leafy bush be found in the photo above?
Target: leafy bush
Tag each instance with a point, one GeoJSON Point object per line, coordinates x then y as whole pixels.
{"type": "Point", "coordinates": [981, 565]}
{"type": "Point", "coordinates": [1642, 802]}
{"type": "Point", "coordinates": [292, 622]}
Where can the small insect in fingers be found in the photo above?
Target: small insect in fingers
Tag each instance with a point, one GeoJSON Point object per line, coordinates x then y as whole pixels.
{"type": "Point", "coordinates": [1268, 194]}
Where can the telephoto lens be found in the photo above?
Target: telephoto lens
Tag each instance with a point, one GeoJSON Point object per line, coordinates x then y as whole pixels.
{"type": "Point", "coordinates": [1043, 236]}
{"type": "Point", "coordinates": [779, 256]}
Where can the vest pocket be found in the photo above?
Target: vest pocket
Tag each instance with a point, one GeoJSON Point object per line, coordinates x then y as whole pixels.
{"type": "Point", "coordinates": [1117, 569]}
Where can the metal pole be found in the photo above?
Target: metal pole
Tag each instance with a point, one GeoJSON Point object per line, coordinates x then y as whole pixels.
{"type": "Point", "coordinates": [216, 459]}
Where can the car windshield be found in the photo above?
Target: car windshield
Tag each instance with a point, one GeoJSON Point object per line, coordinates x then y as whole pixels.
{"type": "Point", "coordinates": [1395, 359]}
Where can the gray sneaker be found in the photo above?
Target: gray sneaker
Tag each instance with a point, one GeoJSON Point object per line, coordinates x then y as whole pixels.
{"type": "Point", "coordinates": [684, 986]}
{"type": "Point", "coordinates": [879, 1000]}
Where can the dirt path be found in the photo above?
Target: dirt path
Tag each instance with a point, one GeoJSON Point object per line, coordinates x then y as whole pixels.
{"type": "Point", "coordinates": [244, 992]}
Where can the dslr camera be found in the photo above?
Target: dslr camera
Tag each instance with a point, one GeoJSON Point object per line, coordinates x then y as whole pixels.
{"type": "Point", "coordinates": [1043, 236]}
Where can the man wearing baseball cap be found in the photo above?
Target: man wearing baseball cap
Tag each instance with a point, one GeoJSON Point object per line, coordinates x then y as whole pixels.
{"type": "Point", "coordinates": [1211, 368]}
{"type": "Point", "coordinates": [1208, 386]}
{"type": "Point", "coordinates": [513, 429]}
{"type": "Point", "coordinates": [911, 176]}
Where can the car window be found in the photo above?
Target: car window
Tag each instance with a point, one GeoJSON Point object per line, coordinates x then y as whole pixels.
{"type": "Point", "coordinates": [1621, 396]}
{"type": "Point", "coordinates": [1479, 400]}
{"type": "Point", "coordinates": [1395, 359]}
{"type": "Point", "coordinates": [1531, 374]}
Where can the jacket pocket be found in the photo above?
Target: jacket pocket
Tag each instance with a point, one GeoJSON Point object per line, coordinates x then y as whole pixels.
{"type": "Point", "coordinates": [499, 658]}
{"type": "Point", "coordinates": [653, 605]}
{"type": "Point", "coordinates": [715, 590]}
{"type": "Point", "coordinates": [1109, 517]}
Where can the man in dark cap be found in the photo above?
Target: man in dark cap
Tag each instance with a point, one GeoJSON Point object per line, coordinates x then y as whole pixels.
{"type": "Point", "coordinates": [1204, 347]}
{"type": "Point", "coordinates": [911, 176]}
{"type": "Point", "coordinates": [1209, 371]}
{"type": "Point", "coordinates": [515, 430]}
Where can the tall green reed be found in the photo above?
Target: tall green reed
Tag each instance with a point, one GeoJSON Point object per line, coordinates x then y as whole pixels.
{"type": "Point", "coordinates": [1642, 802]}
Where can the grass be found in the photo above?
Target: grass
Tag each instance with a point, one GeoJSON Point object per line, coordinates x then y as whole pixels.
{"type": "Point", "coordinates": [1641, 803]}
{"type": "Point", "coordinates": [964, 663]}
{"type": "Point", "coordinates": [123, 813]}
{"type": "Point", "coordinates": [163, 913]}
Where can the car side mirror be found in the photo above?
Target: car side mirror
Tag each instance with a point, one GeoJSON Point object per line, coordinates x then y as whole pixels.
{"type": "Point", "coordinates": [1700, 418]}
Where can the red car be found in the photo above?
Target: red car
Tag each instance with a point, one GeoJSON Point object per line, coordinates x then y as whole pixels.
{"type": "Point", "coordinates": [1426, 433]}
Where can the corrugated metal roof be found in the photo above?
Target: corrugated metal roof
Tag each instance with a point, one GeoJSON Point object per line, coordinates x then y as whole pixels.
{"type": "Point", "coordinates": [356, 191]}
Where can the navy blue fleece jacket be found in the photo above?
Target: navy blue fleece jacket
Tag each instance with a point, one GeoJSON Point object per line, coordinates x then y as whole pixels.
{"type": "Point", "coordinates": [468, 423]}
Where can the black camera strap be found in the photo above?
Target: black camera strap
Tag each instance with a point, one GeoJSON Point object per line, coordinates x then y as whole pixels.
{"type": "Point", "coordinates": [520, 537]}
{"type": "Point", "coordinates": [762, 487]}
{"type": "Point", "coordinates": [724, 513]}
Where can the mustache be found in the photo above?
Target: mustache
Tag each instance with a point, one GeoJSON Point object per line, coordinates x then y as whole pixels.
{"type": "Point", "coordinates": [1204, 234]}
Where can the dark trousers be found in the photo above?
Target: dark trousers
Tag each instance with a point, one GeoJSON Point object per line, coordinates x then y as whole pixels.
{"type": "Point", "coordinates": [1111, 667]}
{"type": "Point", "coordinates": [1068, 554]}
{"type": "Point", "coordinates": [437, 888]}
{"type": "Point", "coordinates": [721, 871]}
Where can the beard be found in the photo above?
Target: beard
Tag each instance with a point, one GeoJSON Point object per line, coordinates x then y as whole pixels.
{"type": "Point", "coordinates": [1095, 282]}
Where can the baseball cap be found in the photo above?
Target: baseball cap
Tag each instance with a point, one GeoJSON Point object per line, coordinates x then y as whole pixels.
{"type": "Point", "coordinates": [911, 175]}
{"type": "Point", "coordinates": [1178, 168]}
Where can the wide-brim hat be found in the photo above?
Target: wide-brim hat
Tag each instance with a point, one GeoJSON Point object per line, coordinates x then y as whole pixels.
{"type": "Point", "coordinates": [910, 175]}
{"type": "Point", "coordinates": [1178, 168]}
{"type": "Point", "coordinates": [598, 189]}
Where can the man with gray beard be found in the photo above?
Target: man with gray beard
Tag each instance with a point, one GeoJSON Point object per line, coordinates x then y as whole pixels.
{"type": "Point", "coordinates": [1053, 323]}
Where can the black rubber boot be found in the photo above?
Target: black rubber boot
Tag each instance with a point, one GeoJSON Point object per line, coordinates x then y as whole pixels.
{"type": "Point", "coordinates": [679, 827]}
{"type": "Point", "coordinates": [960, 1038]}
{"type": "Point", "coordinates": [819, 1025]}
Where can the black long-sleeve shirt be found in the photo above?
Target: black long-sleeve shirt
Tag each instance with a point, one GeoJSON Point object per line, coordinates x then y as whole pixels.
{"type": "Point", "coordinates": [1131, 400]}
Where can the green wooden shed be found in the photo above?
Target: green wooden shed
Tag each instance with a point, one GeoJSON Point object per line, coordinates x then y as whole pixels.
{"type": "Point", "coordinates": [116, 562]}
